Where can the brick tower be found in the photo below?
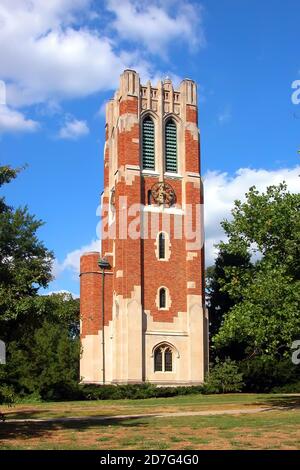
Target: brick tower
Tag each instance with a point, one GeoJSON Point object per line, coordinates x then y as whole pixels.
{"type": "Point", "coordinates": [155, 322]}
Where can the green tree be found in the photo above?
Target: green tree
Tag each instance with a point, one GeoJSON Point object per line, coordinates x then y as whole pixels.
{"type": "Point", "coordinates": [25, 263]}
{"type": "Point", "coordinates": [224, 377]}
{"type": "Point", "coordinates": [46, 363]}
{"type": "Point", "coordinates": [218, 300]}
{"type": "Point", "coordinates": [41, 332]}
{"type": "Point", "coordinates": [265, 316]}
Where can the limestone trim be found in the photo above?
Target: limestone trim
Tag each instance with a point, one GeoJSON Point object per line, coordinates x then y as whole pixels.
{"type": "Point", "coordinates": [191, 255]}
{"type": "Point", "coordinates": [191, 285]}
{"type": "Point", "coordinates": [127, 121]}
{"type": "Point", "coordinates": [173, 175]}
{"type": "Point", "coordinates": [168, 333]}
{"type": "Point", "coordinates": [166, 210]}
{"type": "Point", "coordinates": [193, 129]}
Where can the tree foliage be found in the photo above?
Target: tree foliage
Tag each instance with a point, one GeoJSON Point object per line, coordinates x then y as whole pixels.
{"type": "Point", "coordinates": [25, 263]}
{"type": "Point", "coordinates": [224, 377]}
{"type": "Point", "coordinates": [41, 332]}
{"type": "Point", "coordinates": [264, 317]}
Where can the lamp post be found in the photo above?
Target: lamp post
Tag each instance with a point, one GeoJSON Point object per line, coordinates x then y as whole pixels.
{"type": "Point", "coordinates": [103, 264]}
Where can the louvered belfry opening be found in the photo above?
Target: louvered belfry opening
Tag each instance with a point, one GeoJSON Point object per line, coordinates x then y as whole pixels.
{"type": "Point", "coordinates": [148, 144]}
{"type": "Point", "coordinates": [171, 146]}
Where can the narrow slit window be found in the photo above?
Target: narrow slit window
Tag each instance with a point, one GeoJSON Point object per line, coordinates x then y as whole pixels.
{"type": "Point", "coordinates": [162, 298]}
{"type": "Point", "coordinates": [162, 246]}
{"type": "Point", "coordinates": [148, 144]}
{"type": "Point", "coordinates": [171, 146]}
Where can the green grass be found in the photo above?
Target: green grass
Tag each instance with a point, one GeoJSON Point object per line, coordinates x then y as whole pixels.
{"type": "Point", "coordinates": [276, 429]}
{"type": "Point", "coordinates": [150, 405]}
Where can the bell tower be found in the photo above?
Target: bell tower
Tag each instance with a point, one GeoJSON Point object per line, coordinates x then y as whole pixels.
{"type": "Point", "coordinates": [152, 325]}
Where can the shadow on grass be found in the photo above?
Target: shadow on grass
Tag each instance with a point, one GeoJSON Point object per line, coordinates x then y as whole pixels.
{"type": "Point", "coordinates": [29, 430]}
{"type": "Point", "coordinates": [283, 401]}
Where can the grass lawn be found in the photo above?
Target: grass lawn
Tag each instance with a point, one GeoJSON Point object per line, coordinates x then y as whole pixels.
{"type": "Point", "coordinates": [276, 429]}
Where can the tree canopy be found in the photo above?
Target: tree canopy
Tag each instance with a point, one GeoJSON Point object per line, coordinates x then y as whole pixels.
{"type": "Point", "coordinates": [264, 316]}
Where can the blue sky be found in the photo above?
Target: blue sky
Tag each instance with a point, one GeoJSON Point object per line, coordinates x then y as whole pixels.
{"type": "Point", "coordinates": [61, 62]}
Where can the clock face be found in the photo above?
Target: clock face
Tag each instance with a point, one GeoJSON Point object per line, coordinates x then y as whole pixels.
{"type": "Point", "coordinates": [163, 193]}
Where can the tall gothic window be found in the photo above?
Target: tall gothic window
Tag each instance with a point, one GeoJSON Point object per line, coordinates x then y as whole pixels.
{"type": "Point", "coordinates": [148, 144]}
{"type": "Point", "coordinates": [163, 359]}
{"type": "Point", "coordinates": [162, 298]}
{"type": "Point", "coordinates": [162, 246]}
{"type": "Point", "coordinates": [171, 146]}
{"type": "Point", "coordinates": [158, 357]}
{"type": "Point", "coordinates": [168, 360]}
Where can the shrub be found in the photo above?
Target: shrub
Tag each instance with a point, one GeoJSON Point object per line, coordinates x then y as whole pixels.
{"type": "Point", "coordinates": [7, 396]}
{"type": "Point", "coordinates": [288, 388]}
{"type": "Point", "coordinates": [224, 377]}
{"type": "Point", "coordinates": [265, 374]}
{"type": "Point", "coordinates": [134, 391]}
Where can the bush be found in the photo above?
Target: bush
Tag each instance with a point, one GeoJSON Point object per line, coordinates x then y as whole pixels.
{"type": "Point", "coordinates": [288, 388]}
{"type": "Point", "coordinates": [7, 396]}
{"type": "Point", "coordinates": [134, 391]}
{"type": "Point", "coordinates": [46, 364]}
{"type": "Point", "coordinates": [224, 377]}
{"type": "Point", "coordinates": [266, 374]}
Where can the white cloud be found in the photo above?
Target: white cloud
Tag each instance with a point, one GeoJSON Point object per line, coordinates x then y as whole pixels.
{"type": "Point", "coordinates": [72, 260]}
{"type": "Point", "coordinates": [221, 189]}
{"type": "Point", "coordinates": [157, 24]}
{"type": "Point", "coordinates": [73, 129]}
{"type": "Point", "coordinates": [220, 192]}
{"type": "Point", "coordinates": [224, 116]}
{"type": "Point", "coordinates": [47, 53]}
{"type": "Point", "coordinates": [14, 121]}
{"type": "Point", "coordinates": [49, 50]}
{"type": "Point", "coordinates": [66, 292]}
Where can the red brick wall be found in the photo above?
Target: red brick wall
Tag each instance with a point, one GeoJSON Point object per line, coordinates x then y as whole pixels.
{"type": "Point", "coordinates": [191, 114]}
{"type": "Point", "coordinates": [129, 106]}
{"type": "Point", "coordinates": [171, 274]}
{"type": "Point", "coordinates": [90, 294]}
{"type": "Point", "coordinates": [136, 258]}
{"type": "Point", "coordinates": [192, 153]}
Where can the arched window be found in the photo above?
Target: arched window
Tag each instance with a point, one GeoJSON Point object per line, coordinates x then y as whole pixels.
{"type": "Point", "coordinates": [171, 146]}
{"type": "Point", "coordinates": [158, 360]}
{"type": "Point", "coordinates": [162, 246]}
{"type": "Point", "coordinates": [163, 359]}
{"type": "Point", "coordinates": [168, 360]}
{"type": "Point", "coordinates": [149, 197]}
{"type": "Point", "coordinates": [148, 144]}
{"type": "Point", "coordinates": [162, 298]}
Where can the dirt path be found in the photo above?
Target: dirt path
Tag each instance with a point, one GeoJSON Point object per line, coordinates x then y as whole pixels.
{"type": "Point", "coordinates": [146, 415]}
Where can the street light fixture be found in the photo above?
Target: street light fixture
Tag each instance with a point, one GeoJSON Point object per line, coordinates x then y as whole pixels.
{"type": "Point", "coordinates": [103, 264]}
